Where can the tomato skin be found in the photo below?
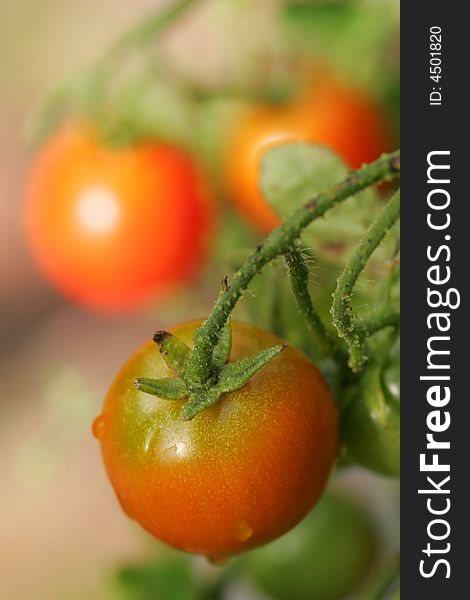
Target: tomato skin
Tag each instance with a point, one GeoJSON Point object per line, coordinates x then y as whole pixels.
{"type": "Point", "coordinates": [330, 114]}
{"type": "Point", "coordinates": [110, 227]}
{"type": "Point", "coordinates": [326, 556]}
{"type": "Point", "coordinates": [240, 473]}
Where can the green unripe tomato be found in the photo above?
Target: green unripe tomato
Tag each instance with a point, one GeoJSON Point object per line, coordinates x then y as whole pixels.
{"type": "Point", "coordinates": [324, 558]}
{"type": "Point", "coordinates": [370, 424]}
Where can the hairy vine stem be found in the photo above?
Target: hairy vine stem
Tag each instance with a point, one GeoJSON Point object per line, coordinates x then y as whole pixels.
{"type": "Point", "coordinates": [280, 240]}
{"type": "Point", "coordinates": [299, 278]}
{"type": "Point", "coordinates": [380, 321]}
{"type": "Point", "coordinates": [355, 332]}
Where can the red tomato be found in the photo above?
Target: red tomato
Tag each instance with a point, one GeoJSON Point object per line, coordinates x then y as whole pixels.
{"type": "Point", "coordinates": [338, 117]}
{"type": "Point", "coordinates": [111, 226]}
{"type": "Point", "coordinates": [238, 475]}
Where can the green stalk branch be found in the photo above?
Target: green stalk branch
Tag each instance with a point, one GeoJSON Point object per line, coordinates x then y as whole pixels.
{"type": "Point", "coordinates": [379, 322]}
{"type": "Point", "coordinates": [299, 276]}
{"type": "Point", "coordinates": [200, 364]}
{"type": "Point", "coordinates": [354, 332]}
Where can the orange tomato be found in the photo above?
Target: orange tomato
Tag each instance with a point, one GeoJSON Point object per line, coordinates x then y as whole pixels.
{"type": "Point", "coordinates": [112, 226]}
{"type": "Point", "coordinates": [341, 118]}
{"type": "Point", "coordinates": [238, 475]}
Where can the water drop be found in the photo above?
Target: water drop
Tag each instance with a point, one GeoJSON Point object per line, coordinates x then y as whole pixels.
{"type": "Point", "coordinates": [100, 427]}
{"type": "Point", "coordinates": [243, 531]}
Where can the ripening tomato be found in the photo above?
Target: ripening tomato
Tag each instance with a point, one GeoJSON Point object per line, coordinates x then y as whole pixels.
{"type": "Point", "coordinates": [238, 475]}
{"type": "Point", "coordinates": [112, 226]}
{"type": "Point", "coordinates": [331, 114]}
{"type": "Point", "coordinates": [326, 557]}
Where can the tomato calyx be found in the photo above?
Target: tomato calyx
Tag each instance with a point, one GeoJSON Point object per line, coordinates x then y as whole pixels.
{"type": "Point", "coordinates": [226, 376]}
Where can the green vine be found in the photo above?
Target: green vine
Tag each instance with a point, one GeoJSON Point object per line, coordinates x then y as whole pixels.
{"type": "Point", "coordinates": [298, 271]}
{"type": "Point", "coordinates": [356, 332]}
{"type": "Point", "coordinates": [200, 366]}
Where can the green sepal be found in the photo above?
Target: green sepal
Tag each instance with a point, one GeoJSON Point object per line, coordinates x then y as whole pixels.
{"type": "Point", "coordinates": [200, 400]}
{"type": "Point", "coordinates": [174, 352]}
{"type": "Point", "coordinates": [231, 377]}
{"type": "Point", "coordinates": [236, 374]}
{"type": "Point", "coordinates": [170, 388]}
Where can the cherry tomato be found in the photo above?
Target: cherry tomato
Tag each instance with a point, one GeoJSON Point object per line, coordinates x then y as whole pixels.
{"type": "Point", "coordinates": [238, 475]}
{"type": "Point", "coordinates": [110, 226]}
{"type": "Point", "coordinates": [370, 425]}
{"type": "Point", "coordinates": [326, 557]}
{"type": "Point", "coordinates": [330, 114]}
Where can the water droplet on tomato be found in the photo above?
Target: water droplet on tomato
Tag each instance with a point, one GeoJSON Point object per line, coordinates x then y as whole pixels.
{"type": "Point", "coordinates": [243, 531]}
{"type": "Point", "coordinates": [150, 440]}
{"type": "Point", "coordinates": [100, 427]}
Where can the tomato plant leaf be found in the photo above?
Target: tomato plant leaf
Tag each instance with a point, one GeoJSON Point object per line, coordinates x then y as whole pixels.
{"type": "Point", "coordinates": [293, 173]}
{"type": "Point", "coordinates": [163, 578]}
{"type": "Point", "coordinates": [352, 36]}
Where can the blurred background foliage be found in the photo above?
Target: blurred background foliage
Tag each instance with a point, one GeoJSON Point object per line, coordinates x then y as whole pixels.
{"type": "Point", "coordinates": [62, 533]}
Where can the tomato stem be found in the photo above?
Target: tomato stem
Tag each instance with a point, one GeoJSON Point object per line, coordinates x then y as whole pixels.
{"type": "Point", "coordinates": [200, 363]}
{"type": "Point", "coordinates": [380, 321]}
{"type": "Point", "coordinates": [299, 278]}
{"type": "Point", "coordinates": [356, 332]}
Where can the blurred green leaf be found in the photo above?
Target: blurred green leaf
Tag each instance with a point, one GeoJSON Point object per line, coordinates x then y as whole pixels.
{"type": "Point", "coordinates": [159, 580]}
{"type": "Point", "coordinates": [356, 38]}
{"type": "Point", "coordinates": [68, 408]}
{"type": "Point", "coordinates": [148, 105]}
{"type": "Point", "coordinates": [292, 174]}
{"type": "Point", "coordinates": [326, 17]}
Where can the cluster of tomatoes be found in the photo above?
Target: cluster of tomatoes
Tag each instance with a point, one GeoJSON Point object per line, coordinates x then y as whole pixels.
{"type": "Point", "coordinates": [113, 227]}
